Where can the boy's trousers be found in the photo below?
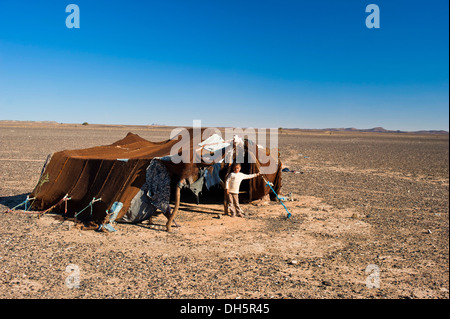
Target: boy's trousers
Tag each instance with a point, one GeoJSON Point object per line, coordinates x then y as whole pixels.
{"type": "Point", "coordinates": [233, 205]}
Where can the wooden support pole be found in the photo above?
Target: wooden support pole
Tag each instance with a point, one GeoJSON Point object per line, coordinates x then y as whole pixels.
{"type": "Point", "coordinates": [175, 210]}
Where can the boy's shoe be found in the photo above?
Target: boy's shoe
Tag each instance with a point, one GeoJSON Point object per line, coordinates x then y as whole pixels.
{"type": "Point", "coordinates": [240, 215]}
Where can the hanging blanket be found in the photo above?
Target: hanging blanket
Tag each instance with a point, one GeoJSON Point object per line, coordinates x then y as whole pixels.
{"type": "Point", "coordinates": [157, 185]}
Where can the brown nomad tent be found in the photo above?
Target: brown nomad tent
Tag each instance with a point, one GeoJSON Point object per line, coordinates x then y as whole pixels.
{"type": "Point", "coordinates": [130, 179]}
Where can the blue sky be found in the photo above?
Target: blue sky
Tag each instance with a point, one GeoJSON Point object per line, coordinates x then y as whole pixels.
{"type": "Point", "coordinates": [306, 64]}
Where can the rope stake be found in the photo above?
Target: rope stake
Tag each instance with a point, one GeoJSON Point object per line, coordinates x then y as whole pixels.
{"type": "Point", "coordinates": [269, 184]}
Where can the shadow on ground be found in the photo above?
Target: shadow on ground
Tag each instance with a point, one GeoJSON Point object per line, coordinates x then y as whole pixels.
{"type": "Point", "coordinates": [13, 201]}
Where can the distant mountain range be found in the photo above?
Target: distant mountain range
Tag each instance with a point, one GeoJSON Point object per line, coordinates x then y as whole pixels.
{"type": "Point", "coordinates": [342, 129]}
{"type": "Point", "coordinates": [383, 130]}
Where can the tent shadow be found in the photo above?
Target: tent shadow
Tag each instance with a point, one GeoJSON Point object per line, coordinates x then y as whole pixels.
{"type": "Point", "coordinates": [189, 208]}
{"type": "Point", "coordinates": [13, 201]}
{"type": "Point", "coordinates": [161, 226]}
{"type": "Point", "coordinates": [157, 227]}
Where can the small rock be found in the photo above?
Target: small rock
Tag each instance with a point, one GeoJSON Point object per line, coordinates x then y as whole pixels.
{"type": "Point", "coordinates": [326, 283]}
{"type": "Point", "coordinates": [429, 231]}
{"type": "Point", "coordinates": [293, 262]}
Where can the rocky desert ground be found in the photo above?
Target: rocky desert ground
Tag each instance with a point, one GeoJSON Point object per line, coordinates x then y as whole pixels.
{"type": "Point", "coordinates": [369, 220]}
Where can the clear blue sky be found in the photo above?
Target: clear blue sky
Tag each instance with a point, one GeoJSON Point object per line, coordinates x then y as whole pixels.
{"type": "Point", "coordinates": [307, 64]}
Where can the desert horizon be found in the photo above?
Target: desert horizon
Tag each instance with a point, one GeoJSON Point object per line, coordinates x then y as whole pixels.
{"type": "Point", "coordinates": [378, 129]}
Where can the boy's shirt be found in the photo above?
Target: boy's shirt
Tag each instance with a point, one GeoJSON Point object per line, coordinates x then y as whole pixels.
{"type": "Point", "coordinates": [234, 181]}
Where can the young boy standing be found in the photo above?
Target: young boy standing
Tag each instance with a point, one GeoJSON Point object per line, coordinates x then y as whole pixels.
{"type": "Point", "coordinates": [232, 185]}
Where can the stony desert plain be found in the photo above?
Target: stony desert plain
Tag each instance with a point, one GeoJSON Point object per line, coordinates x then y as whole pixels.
{"type": "Point", "coordinates": [363, 205]}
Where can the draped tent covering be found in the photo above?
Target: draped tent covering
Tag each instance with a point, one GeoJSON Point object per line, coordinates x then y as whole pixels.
{"type": "Point", "coordinates": [97, 179]}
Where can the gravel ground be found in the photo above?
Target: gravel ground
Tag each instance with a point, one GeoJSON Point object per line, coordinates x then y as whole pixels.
{"type": "Point", "coordinates": [358, 200]}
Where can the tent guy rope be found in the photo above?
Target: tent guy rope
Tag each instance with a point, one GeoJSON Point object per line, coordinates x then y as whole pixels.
{"type": "Point", "coordinates": [92, 202]}
{"type": "Point", "coordinates": [14, 209]}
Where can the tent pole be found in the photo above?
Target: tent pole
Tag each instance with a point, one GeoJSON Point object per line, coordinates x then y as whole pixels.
{"type": "Point", "coordinates": [225, 196]}
{"type": "Point", "coordinates": [175, 210]}
{"type": "Point", "coordinates": [225, 202]}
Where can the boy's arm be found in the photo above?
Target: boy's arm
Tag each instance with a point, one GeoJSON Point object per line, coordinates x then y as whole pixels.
{"type": "Point", "coordinates": [248, 176]}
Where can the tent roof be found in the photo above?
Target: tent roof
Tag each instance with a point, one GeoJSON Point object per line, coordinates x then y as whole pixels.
{"type": "Point", "coordinates": [131, 147]}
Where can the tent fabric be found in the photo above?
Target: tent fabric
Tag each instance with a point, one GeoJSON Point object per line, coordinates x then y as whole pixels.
{"type": "Point", "coordinates": [118, 173]}
{"type": "Point", "coordinates": [140, 209]}
{"type": "Point", "coordinates": [214, 143]}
